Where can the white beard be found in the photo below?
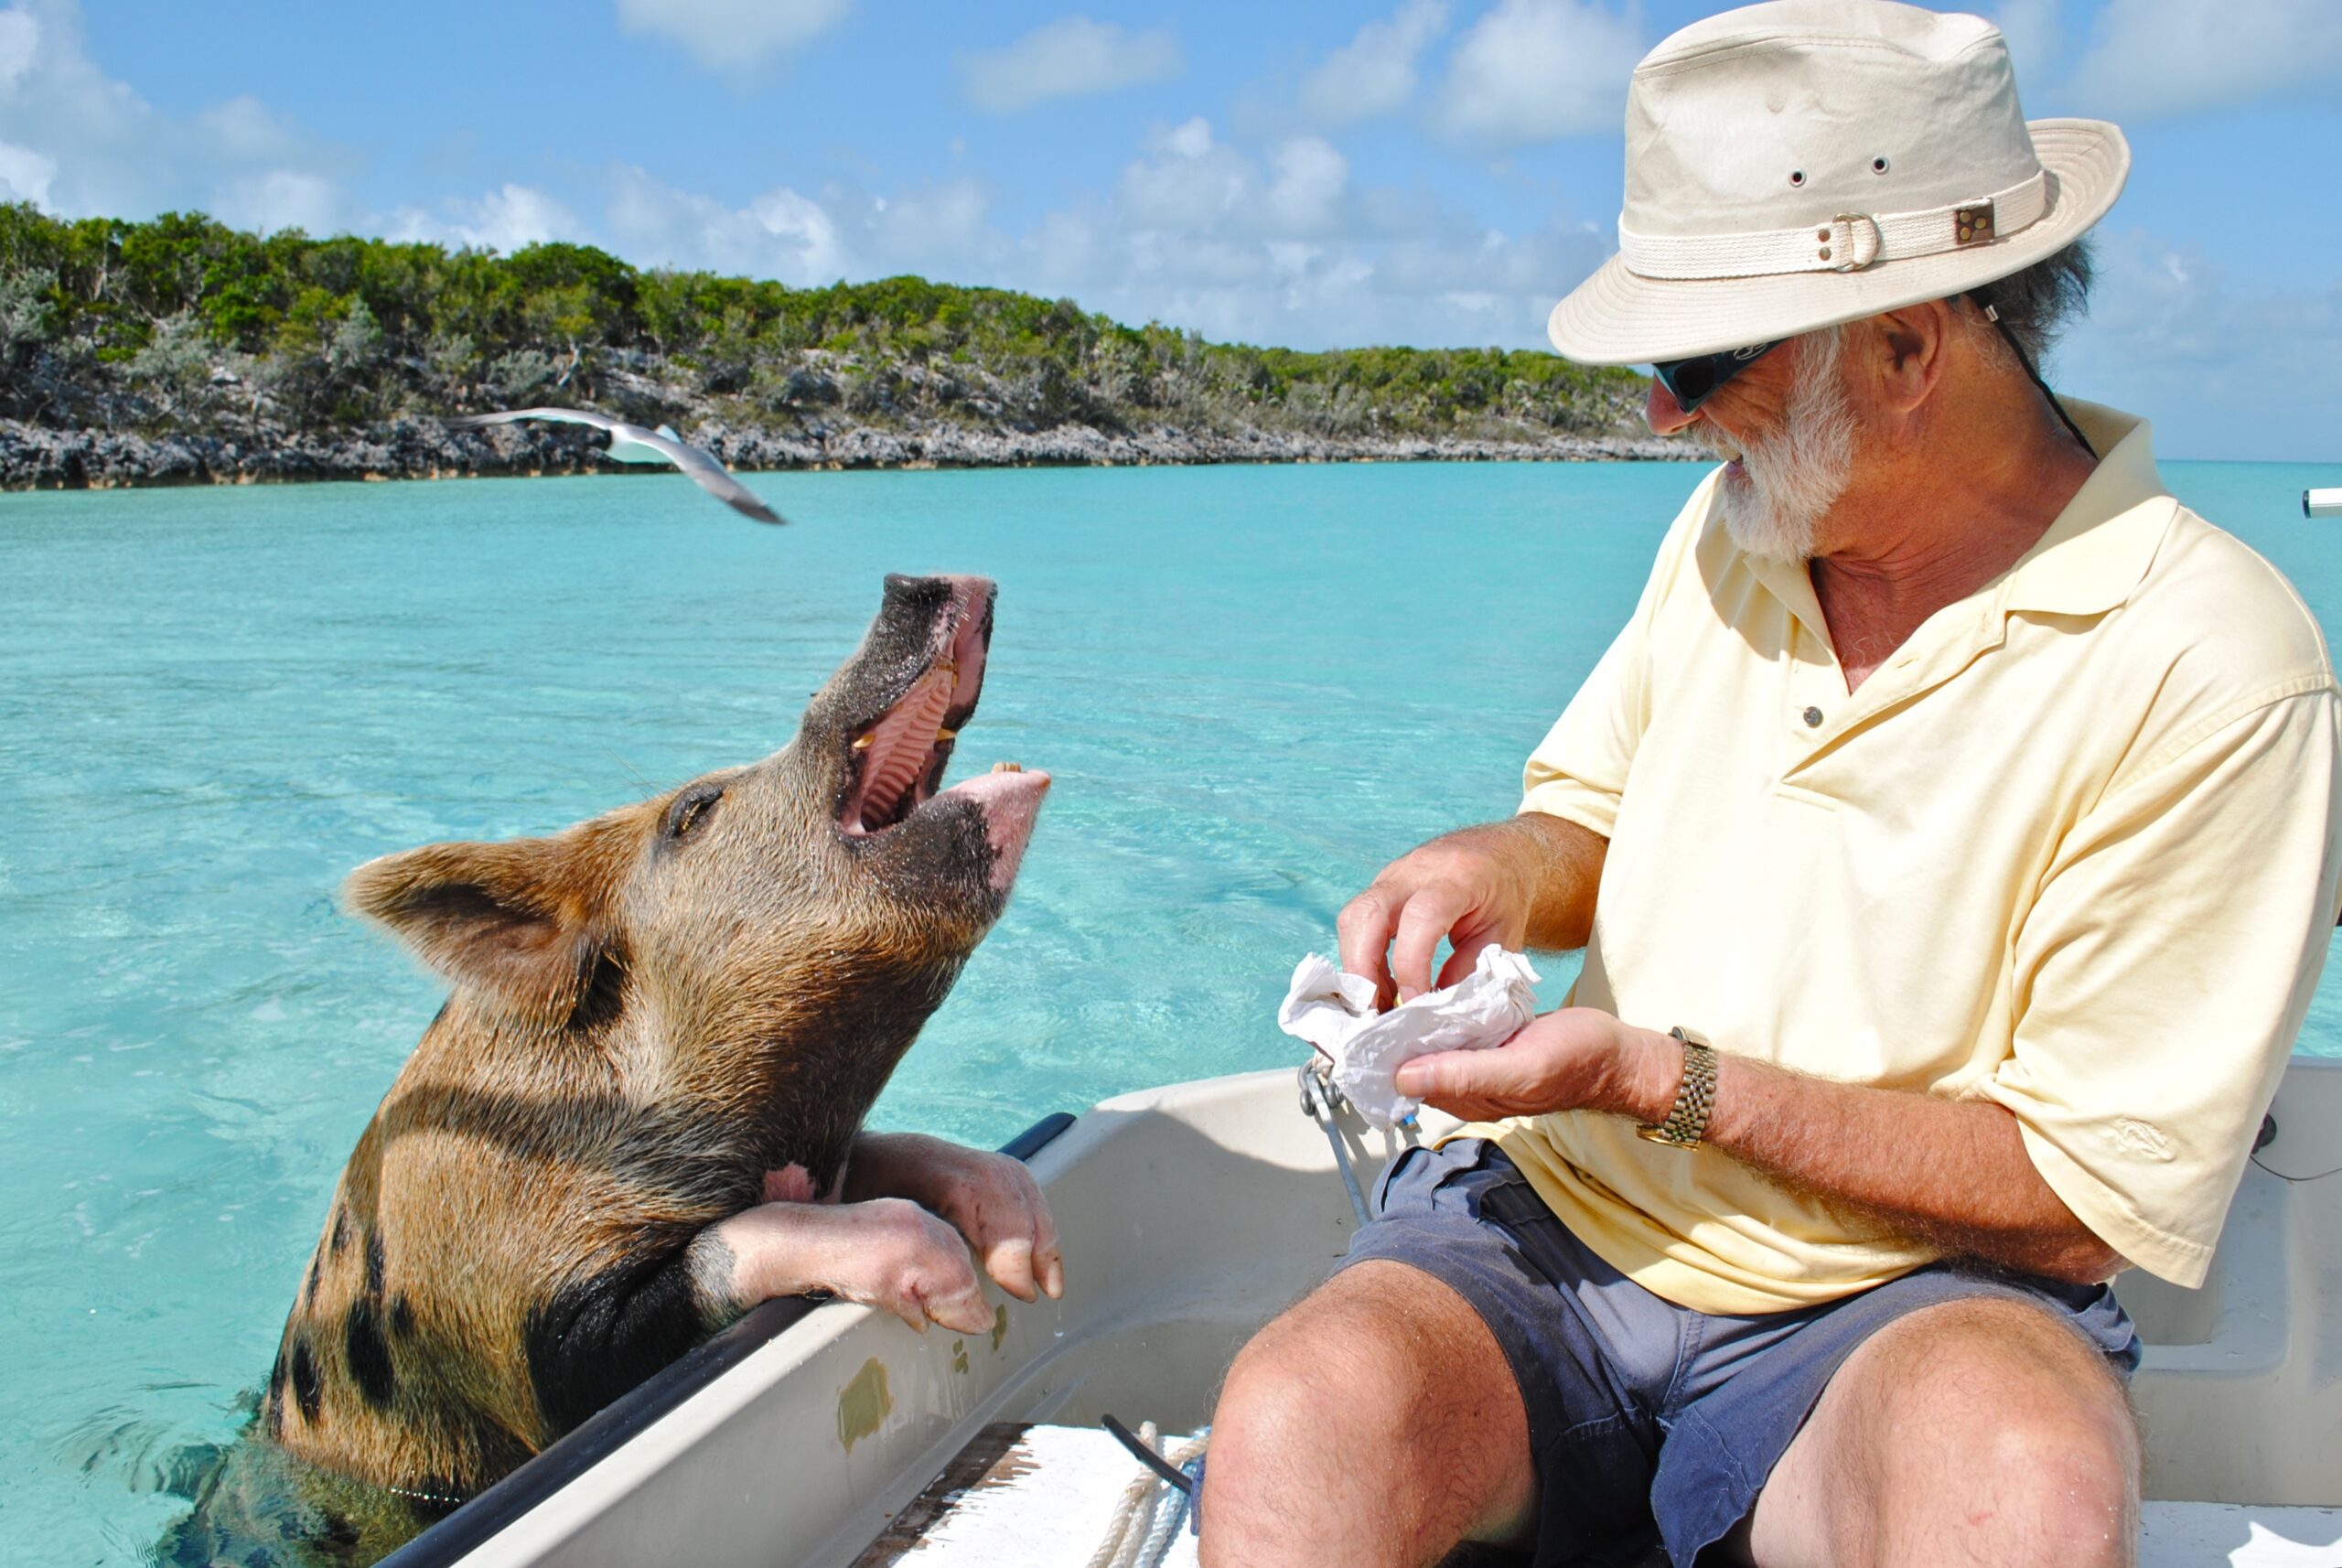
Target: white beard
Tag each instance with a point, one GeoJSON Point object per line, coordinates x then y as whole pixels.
{"type": "Point", "coordinates": [1791, 479]}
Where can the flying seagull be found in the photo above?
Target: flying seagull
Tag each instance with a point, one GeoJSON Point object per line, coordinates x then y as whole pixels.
{"type": "Point", "coordinates": [634, 444]}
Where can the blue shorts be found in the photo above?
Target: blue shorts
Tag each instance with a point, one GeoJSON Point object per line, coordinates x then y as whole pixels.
{"type": "Point", "coordinates": [1647, 1419]}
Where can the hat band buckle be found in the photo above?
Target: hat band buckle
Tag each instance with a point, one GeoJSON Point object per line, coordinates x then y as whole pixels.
{"type": "Point", "coordinates": [1843, 241]}
{"type": "Point", "coordinates": [1848, 242]}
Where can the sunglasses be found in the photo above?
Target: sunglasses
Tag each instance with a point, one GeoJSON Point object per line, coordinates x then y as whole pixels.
{"type": "Point", "coordinates": [1692, 382]}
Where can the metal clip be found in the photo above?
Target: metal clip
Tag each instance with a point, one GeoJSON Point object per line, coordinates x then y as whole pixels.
{"type": "Point", "coordinates": [1318, 1100]}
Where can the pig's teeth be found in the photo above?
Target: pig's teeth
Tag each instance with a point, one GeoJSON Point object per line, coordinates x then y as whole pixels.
{"type": "Point", "coordinates": [862, 743]}
{"type": "Point", "coordinates": [1008, 767]}
{"type": "Point", "coordinates": [947, 735]}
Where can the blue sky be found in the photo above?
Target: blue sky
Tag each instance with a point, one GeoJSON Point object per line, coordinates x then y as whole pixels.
{"type": "Point", "coordinates": [1416, 171]}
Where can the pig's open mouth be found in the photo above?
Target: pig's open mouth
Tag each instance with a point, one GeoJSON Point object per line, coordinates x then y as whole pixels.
{"type": "Point", "coordinates": [900, 757]}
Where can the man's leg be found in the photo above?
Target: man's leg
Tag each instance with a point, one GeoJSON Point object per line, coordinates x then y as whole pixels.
{"type": "Point", "coordinates": [1377, 1422]}
{"type": "Point", "coordinates": [1979, 1431]}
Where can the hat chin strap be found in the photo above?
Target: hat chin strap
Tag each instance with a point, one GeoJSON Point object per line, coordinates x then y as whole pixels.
{"type": "Point", "coordinates": [1847, 243]}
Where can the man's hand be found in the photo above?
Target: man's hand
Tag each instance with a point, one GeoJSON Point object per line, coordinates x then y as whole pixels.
{"type": "Point", "coordinates": [1464, 887]}
{"type": "Point", "coordinates": [1575, 1058]}
{"type": "Point", "coordinates": [1528, 881]}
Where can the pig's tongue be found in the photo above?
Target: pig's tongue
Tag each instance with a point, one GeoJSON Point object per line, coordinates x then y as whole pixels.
{"type": "Point", "coordinates": [902, 745]}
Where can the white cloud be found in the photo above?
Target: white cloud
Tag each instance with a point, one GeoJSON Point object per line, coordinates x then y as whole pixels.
{"type": "Point", "coordinates": [1448, 283]}
{"type": "Point", "coordinates": [1531, 70]}
{"type": "Point", "coordinates": [942, 231]}
{"type": "Point", "coordinates": [1191, 139]}
{"type": "Point", "coordinates": [1192, 183]}
{"type": "Point", "coordinates": [2151, 58]}
{"type": "Point", "coordinates": [1285, 247]}
{"type": "Point", "coordinates": [1311, 179]}
{"type": "Point", "coordinates": [85, 143]}
{"type": "Point", "coordinates": [517, 215]}
{"type": "Point", "coordinates": [733, 37]}
{"type": "Point", "coordinates": [19, 36]}
{"type": "Point", "coordinates": [1277, 244]}
{"type": "Point", "coordinates": [782, 234]}
{"type": "Point", "coordinates": [1374, 73]}
{"type": "Point", "coordinates": [282, 198]}
{"type": "Point", "coordinates": [1072, 57]}
{"type": "Point", "coordinates": [25, 174]}
{"type": "Point", "coordinates": [506, 219]}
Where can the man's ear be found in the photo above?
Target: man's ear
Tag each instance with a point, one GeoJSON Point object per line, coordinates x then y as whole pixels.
{"type": "Point", "coordinates": [525, 924]}
{"type": "Point", "coordinates": [1910, 346]}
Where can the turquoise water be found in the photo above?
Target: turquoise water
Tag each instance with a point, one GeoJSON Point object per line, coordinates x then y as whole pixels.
{"type": "Point", "coordinates": [1253, 686]}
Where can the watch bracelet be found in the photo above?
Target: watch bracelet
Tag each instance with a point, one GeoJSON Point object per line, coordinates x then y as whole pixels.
{"type": "Point", "coordinates": [1695, 1096]}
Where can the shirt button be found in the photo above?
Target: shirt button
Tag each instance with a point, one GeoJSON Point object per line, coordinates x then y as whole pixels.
{"type": "Point", "coordinates": [1812, 718]}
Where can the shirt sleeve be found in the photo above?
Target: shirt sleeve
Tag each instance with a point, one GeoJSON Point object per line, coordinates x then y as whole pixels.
{"type": "Point", "coordinates": [2161, 975]}
{"type": "Point", "coordinates": [1579, 770]}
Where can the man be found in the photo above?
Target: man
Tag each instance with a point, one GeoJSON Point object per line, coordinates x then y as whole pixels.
{"type": "Point", "coordinates": [1979, 804]}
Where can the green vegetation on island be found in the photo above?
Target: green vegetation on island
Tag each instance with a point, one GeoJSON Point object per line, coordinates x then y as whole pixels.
{"type": "Point", "coordinates": [185, 327]}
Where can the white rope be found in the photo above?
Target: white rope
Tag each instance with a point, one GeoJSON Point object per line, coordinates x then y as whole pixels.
{"type": "Point", "coordinates": [1847, 242]}
{"type": "Point", "coordinates": [1140, 1533]}
{"type": "Point", "coordinates": [1139, 1493]}
{"type": "Point", "coordinates": [1168, 1521]}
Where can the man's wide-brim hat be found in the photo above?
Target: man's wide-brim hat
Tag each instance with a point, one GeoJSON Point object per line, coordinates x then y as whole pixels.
{"type": "Point", "coordinates": [1795, 165]}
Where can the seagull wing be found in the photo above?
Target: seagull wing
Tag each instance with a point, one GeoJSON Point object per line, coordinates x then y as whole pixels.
{"type": "Point", "coordinates": [704, 471]}
{"type": "Point", "coordinates": [708, 474]}
{"type": "Point", "coordinates": [558, 416]}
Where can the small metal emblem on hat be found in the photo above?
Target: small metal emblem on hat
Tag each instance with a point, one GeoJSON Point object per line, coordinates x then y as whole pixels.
{"type": "Point", "coordinates": [1972, 225]}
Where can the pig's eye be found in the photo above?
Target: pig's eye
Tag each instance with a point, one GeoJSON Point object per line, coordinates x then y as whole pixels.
{"type": "Point", "coordinates": [691, 810]}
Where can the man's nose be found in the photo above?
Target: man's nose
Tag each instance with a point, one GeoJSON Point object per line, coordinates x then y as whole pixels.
{"type": "Point", "coordinates": [1662, 413]}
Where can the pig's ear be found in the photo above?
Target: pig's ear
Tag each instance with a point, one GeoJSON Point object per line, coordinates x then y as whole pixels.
{"type": "Point", "coordinates": [525, 923]}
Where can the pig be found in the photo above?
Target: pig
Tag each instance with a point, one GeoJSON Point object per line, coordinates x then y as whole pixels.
{"type": "Point", "coordinates": [640, 1110]}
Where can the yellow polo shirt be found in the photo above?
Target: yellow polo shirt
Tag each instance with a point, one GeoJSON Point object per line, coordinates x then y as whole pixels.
{"type": "Point", "coordinates": [2072, 849]}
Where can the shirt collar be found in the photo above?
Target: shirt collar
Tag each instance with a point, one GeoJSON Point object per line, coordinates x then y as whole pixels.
{"type": "Point", "coordinates": [2100, 545]}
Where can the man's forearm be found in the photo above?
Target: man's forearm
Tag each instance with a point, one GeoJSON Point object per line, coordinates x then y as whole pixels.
{"type": "Point", "coordinates": [1953, 1173]}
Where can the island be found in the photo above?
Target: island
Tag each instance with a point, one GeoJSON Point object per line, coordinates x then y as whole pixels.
{"type": "Point", "coordinates": [183, 351]}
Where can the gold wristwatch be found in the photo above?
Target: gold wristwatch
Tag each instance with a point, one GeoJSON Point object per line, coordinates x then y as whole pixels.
{"type": "Point", "coordinates": [1694, 1098]}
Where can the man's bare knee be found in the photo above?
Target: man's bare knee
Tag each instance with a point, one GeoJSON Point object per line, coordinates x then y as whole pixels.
{"type": "Point", "coordinates": [1358, 1427]}
{"type": "Point", "coordinates": [1985, 1423]}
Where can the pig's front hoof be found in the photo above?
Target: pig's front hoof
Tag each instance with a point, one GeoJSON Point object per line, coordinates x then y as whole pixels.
{"type": "Point", "coordinates": [994, 1202]}
{"type": "Point", "coordinates": [915, 1266]}
{"type": "Point", "coordinates": [991, 1200]}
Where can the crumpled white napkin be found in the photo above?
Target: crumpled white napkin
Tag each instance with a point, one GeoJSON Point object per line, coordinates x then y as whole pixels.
{"type": "Point", "coordinates": [1335, 1012]}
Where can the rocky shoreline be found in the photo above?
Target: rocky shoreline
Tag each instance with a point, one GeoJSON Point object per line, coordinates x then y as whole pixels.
{"type": "Point", "coordinates": [38, 457]}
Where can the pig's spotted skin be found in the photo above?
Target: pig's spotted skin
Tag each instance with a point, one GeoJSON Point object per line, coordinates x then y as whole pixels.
{"type": "Point", "coordinates": [792, 1185]}
{"type": "Point", "coordinates": [667, 1025]}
